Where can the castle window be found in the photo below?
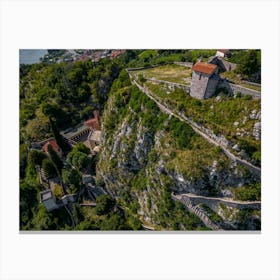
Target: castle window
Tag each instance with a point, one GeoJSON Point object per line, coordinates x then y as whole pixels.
{"type": "Point", "coordinates": [200, 76]}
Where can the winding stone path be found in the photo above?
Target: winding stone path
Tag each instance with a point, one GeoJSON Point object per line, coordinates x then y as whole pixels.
{"type": "Point", "coordinates": [229, 202]}
{"type": "Point", "coordinates": [197, 128]}
{"type": "Point", "coordinates": [196, 210]}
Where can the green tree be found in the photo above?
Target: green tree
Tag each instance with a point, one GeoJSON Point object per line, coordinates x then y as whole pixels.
{"type": "Point", "coordinates": [55, 158]}
{"type": "Point", "coordinates": [80, 160]}
{"type": "Point", "coordinates": [28, 202]}
{"type": "Point", "coordinates": [59, 139]}
{"type": "Point", "coordinates": [49, 168]}
{"type": "Point", "coordinates": [81, 147]}
{"type": "Point", "coordinates": [114, 222]}
{"type": "Point", "coordinates": [36, 157]}
{"type": "Point", "coordinates": [249, 64]}
{"type": "Point", "coordinates": [104, 204]}
{"type": "Point", "coordinates": [23, 159]}
{"type": "Point", "coordinates": [43, 220]}
{"type": "Point", "coordinates": [58, 191]}
{"type": "Point", "coordinates": [72, 178]}
{"type": "Point", "coordinates": [142, 79]}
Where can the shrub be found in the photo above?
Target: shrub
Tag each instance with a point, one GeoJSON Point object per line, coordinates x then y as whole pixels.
{"type": "Point", "coordinates": [104, 204]}
{"type": "Point", "coordinates": [182, 132]}
{"type": "Point", "coordinates": [58, 191]}
{"type": "Point", "coordinates": [36, 157]}
{"type": "Point", "coordinates": [251, 192]}
{"type": "Point", "coordinates": [81, 147]}
{"type": "Point", "coordinates": [247, 97]}
{"type": "Point", "coordinates": [49, 168]}
{"type": "Point", "coordinates": [238, 94]}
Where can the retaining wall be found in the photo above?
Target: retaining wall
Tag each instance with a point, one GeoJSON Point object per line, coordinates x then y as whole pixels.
{"type": "Point", "coordinates": [170, 85]}
{"type": "Point", "coordinates": [187, 64]}
{"type": "Point", "coordinates": [234, 89]}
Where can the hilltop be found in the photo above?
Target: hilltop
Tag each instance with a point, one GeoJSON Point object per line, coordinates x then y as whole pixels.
{"type": "Point", "coordinates": [156, 156]}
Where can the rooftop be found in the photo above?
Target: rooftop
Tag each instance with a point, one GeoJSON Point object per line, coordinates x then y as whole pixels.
{"type": "Point", "coordinates": [93, 123]}
{"type": "Point", "coordinates": [51, 142]}
{"type": "Point", "coordinates": [204, 67]}
{"type": "Point", "coordinates": [96, 135]}
{"type": "Point", "coordinates": [72, 131]}
{"type": "Point", "coordinates": [225, 51]}
{"type": "Point", "coordinates": [45, 195]}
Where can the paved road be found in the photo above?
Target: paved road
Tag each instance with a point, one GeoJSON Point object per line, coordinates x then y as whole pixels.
{"type": "Point", "coordinates": [256, 170]}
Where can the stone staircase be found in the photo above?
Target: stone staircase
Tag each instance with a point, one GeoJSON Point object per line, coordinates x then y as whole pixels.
{"type": "Point", "coordinates": [196, 210]}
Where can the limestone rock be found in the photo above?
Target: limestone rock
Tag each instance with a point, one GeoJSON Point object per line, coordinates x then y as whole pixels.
{"type": "Point", "coordinates": [257, 131]}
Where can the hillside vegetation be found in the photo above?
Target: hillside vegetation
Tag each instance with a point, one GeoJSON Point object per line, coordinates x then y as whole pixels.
{"type": "Point", "coordinates": [145, 155]}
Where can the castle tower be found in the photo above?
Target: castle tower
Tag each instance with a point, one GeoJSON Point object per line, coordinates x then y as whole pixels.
{"type": "Point", "coordinates": [204, 80]}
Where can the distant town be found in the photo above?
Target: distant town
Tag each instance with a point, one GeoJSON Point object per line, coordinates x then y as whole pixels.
{"type": "Point", "coordinates": [57, 56]}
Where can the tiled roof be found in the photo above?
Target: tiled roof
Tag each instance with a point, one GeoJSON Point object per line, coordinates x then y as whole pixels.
{"type": "Point", "coordinates": [204, 67]}
{"type": "Point", "coordinates": [225, 51]}
{"type": "Point", "coordinates": [51, 142]}
{"type": "Point", "coordinates": [93, 123]}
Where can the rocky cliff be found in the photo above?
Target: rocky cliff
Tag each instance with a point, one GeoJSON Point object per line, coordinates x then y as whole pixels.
{"type": "Point", "coordinates": [147, 155]}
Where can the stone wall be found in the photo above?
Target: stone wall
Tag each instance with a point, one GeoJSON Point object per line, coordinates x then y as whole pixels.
{"type": "Point", "coordinates": [214, 203]}
{"type": "Point", "coordinates": [212, 86]}
{"type": "Point", "coordinates": [170, 85]}
{"type": "Point", "coordinates": [223, 64]}
{"type": "Point", "coordinates": [199, 85]}
{"type": "Point", "coordinates": [234, 89]}
{"type": "Point", "coordinates": [187, 64]}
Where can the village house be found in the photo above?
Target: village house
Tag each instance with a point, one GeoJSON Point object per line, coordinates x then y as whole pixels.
{"type": "Point", "coordinates": [204, 81]}
{"type": "Point", "coordinates": [223, 53]}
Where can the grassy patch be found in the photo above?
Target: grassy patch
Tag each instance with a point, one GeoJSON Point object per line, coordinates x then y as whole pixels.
{"type": "Point", "coordinates": [170, 72]}
{"type": "Point", "coordinates": [247, 193]}
{"type": "Point", "coordinates": [219, 116]}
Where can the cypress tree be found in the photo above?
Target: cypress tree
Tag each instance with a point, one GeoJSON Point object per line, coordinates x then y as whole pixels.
{"type": "Point", "coordinates": [65, 147]}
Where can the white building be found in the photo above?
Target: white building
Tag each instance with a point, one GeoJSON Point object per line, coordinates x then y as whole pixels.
{"type": "Point", "coordinates": [223, 53]}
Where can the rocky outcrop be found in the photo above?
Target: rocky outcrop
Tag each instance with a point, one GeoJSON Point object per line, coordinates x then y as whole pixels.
{"type": "Point", "coordinates": [135, 164]}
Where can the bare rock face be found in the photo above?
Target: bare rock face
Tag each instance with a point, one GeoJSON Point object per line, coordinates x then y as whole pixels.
{"type": "Point", "coordinates": [135, 161]}
{"type": "Point", "coordinates": [257, 131]}
{"type": "Point", "coordinates": [254, 115]}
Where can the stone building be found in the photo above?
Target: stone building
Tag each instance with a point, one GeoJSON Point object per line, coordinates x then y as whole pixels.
{"type": "Point", "coordinates": [204, 81]}
{"type": "Point", "coordinates": [48, 200]}
{"type": "Point", "coordinates": [223, 53]}
{"type": "Point", "coordinates": [94, 139]}
{"type": "Point", "coordinates": [222, 63]}
{"type": "Point", "coordinates": [88, 132]}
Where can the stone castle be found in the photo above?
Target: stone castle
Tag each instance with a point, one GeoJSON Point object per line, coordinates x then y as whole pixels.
{"type": "Point", "coordinates": [204, 81]}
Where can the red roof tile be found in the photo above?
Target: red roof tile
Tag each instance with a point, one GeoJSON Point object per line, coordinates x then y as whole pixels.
{"type": "Point", "coordinates": [93, 123]}
{"type": "Point", "coordinates": [225, 51]}
{"type": "Point", "coordinates": [51, 142]}
{"type": "Point", "coordinates": [204, 67]}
